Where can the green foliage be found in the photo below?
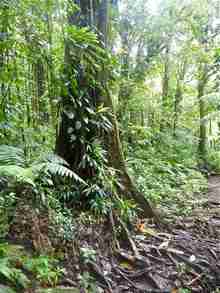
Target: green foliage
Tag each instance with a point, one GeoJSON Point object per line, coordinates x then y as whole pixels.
{"type": "Point", "coordinates": [87, 282]}
{"type": "Point", "coordinates": [14, 276]}
{"type": "Point", "coordinates": [185, 290]}
{"type": "Point", "coordinates": [8, 270]}
{"type": "Point", "coordinates": [49, 165]}
{"type": "Point", "coordinates": [44, 269]}
{"type": "Point", "coordinates": [87, 254]}
{"type": "Point", "coordinates": [62, 225]}
{"type": "Point", "coordinates": [165, 170]}
{"type": "Point", "coordinates": [14, 266]}
{"type": "Point", "coordinates": [57, 79]}
{"type": "Point", "coordinates": [52, 69]}
{"type": "Point", "coordinates": [10, 155]}
{"type": "Point", "coordinates": [126, 209]}
{"type": "Point", "coordinates": [7, 205]}
{"type": "Point", "coordinates": [213, 160]}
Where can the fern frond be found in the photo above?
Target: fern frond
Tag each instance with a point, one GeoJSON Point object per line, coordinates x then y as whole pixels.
{"type": "Point", "coordinates": [56, 165]}
{"type": "Point", "coordinates": [53, 158]}
{"type": "Point", "coordinates": [21, 174]}
{"type": "Point", "coordinates": [10, 155]}
{"type": "Point", "coordinates": [63, 171]}
{"type": "Point", "coordinates": [12, 164]}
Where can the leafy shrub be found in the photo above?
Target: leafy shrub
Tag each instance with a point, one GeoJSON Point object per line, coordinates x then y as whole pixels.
{"type": "Point", "coordinates": [87, 254]}
{"type": "Point", "coordinates": [62, 226]}
{"type": "Point", "coordinates": [13, 267]}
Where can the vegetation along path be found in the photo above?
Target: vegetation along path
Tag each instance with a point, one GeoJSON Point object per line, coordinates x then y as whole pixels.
{"type": "Point", "coordinates": [183, 258]}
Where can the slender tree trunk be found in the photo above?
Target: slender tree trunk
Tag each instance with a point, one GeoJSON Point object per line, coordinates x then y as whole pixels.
{"type": "Point", "coordinates": [202, 148]}
{"type": "Point", "coordinates": [125, 88]}
{"type": "Point", "coordinates": [51, 80]}
{"type": "Point", "coordinates": [4, 52]}
{"type": "Point", "coordinates": [39, 89]}
{"type": "Point", "coordinates": [165, 89]}
{"type": "Point", "coordinates": [142, 114]}
{"type": "Point", "coordinates": [178, 96]}
{"type": "Point", "coordinates": [202, 129]}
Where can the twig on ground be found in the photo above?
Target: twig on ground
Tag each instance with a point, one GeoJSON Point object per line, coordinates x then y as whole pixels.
{"type": "Point", "coordinates": [95, 269]}
{"type": "Point", "coordinates": [111, 218]}
{"type": "Point", "coordinates": [131, 241]}
{"type": "Point", "coordinates": [126, 278]}
{"type": "Point", "coordinates": [195, 280]}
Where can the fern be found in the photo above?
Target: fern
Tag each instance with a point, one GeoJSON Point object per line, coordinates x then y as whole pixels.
{"type": "Point", "coordinates": [52, 158]}
{"type": "Point", "coordinates": [12, 164]}
{"type": "Point", "coordinates": [11, 156]}
{"type": "Point", "coordinates": [19, 173]}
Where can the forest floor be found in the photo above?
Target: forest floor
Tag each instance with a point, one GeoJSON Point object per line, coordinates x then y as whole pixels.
{"type": "Point", "coordinates": [182, 256]}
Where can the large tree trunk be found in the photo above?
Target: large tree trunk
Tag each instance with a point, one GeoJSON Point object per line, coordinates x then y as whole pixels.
{"type": "Point", "coordinates": [73, 152]}
{"type": "Point", "coordinates": [72, 145]}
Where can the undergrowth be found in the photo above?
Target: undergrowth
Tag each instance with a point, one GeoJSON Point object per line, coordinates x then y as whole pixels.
{"type": "Point", "coordinates": [165, 170]}
{"type": "Point", "coordinates": [22, 270]}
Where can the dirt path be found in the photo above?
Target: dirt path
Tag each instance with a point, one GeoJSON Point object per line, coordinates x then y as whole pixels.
{"type": "Point", "coordinates": [214, 191]}
{"type": "Point", "coordinates": [212, 204]}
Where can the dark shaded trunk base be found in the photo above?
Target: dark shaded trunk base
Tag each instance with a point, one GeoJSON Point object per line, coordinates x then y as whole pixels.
{"type": "Point", "coordinates": [116, 160]}
{"type": "Point", "coordinates": [130, 191]}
